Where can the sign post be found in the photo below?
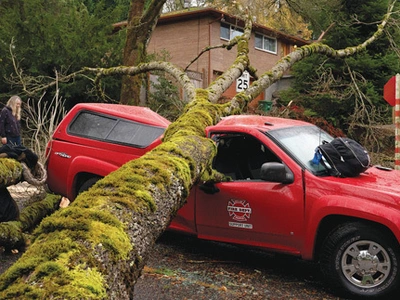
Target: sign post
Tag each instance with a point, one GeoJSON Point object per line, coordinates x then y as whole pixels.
{"type": "Point", "coordinates": [391, 93]}
{"type": "Point", "coordinates": [243, 82]}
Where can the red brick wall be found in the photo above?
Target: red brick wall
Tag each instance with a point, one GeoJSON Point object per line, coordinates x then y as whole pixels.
{"type": "Point", "coordinates": [184, 40]}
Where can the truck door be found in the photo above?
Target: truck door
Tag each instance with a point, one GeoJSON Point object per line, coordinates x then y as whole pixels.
{"type": "Point", "coordinates": [248, 210]}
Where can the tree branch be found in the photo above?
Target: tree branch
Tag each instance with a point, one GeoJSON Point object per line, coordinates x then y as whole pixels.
{"type": "Point", "coordinates": [176, 72]}
{"type": "Point", "coordinates": [223, 82]}
{"type": "Point", "coordinates": [227, 46]}
{"type": "Point", "coordinates": [268, 78]}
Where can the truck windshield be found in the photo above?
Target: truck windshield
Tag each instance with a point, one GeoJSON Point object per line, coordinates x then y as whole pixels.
{"type": "Point", "coordinates": [300, 143]}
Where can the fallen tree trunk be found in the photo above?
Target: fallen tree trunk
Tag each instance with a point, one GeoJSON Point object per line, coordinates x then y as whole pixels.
{"type": "Point", "coordinates": [14, 234]}
{"type": "Point", "coordinates": [10, 172]}
{"type": "Point", "coordinates": [13, 171]}
{"type": "Point", "coordinates": [97, 247]}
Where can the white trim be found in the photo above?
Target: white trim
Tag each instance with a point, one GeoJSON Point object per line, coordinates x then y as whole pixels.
{"type": "Point", "coordinates": [268, 37]}
{"type": "Point", "coordinates": [232, 29]}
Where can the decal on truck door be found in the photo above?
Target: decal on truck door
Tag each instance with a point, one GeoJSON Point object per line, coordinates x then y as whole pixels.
{"type": "Point", "coordinates": [239, 211]}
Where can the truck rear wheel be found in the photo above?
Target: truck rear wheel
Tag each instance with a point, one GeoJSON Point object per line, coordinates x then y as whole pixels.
{"type": "Point", "coordinates": [88, 184]}
{"type": "Point", "coordinates": [361, 261]}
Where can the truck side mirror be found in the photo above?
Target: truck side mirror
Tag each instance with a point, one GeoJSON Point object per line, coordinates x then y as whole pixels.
{"type": "Point", "coordinates": [209, 188]}
{"type": "Point", "coordinates": [276, 172]}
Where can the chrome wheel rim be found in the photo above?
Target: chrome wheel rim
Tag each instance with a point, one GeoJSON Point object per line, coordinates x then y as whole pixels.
{"type": "Point", "coordinates": [366, 264]}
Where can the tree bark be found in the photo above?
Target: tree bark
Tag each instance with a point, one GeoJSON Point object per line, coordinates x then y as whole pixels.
{"type": "Point", "coordinates": [97, 247]}
{"type": "Point", "coordinates": [142, 19]}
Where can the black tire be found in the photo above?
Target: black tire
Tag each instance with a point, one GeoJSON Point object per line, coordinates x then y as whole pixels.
{"type": "Point", "coordinates": [361, 261]}
{"type": "Point", "coordinates": [88, 184]}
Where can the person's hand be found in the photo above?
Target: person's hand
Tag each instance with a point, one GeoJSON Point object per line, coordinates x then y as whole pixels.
{"type": "Point", "coordinates": [4, 140]}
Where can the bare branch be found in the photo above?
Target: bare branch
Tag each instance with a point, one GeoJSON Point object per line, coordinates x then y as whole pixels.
{"type": "Point", "coordinates": [325, 32]}
{"type": "Point", "coordinates": [228, 46]}
{"type": "Point", "coordinates": [41, 122]}
{"type": "Point", "coordinates": [176, 72]}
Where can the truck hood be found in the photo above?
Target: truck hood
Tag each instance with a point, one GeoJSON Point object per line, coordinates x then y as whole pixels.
{"type": "Point", "coordinates": [383, 180]}
{"type": "Point", "coordinates": [375, 184]}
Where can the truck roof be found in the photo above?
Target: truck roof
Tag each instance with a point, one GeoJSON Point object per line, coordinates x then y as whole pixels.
{"type": "Point", "coordinates": [135, 113]}
{"type": "Point", "coordinates": [263, 123]}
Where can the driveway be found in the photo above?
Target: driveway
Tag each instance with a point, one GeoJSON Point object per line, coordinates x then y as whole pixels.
{"type": "Point", "coordinates": [182, 267]}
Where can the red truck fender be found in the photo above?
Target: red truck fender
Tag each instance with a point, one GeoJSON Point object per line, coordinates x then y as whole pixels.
{"type": "Point", "coordinates": [333, 206]}
{"type": "Point", "coordinates": [84, 164]}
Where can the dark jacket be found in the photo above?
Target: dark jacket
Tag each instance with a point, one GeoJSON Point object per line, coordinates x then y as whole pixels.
{"type": "Point", "coordinates": [9, 125]}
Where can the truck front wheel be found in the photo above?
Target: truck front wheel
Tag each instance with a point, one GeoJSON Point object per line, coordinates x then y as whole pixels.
{"type": "Point", "coordinates": [361, 261]}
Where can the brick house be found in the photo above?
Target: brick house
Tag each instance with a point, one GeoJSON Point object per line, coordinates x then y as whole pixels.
{"type": "Point", "coordinates": [185, 34]}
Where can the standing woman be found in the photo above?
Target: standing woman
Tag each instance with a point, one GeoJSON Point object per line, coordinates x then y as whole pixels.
{"type": "Point", "coordinates": [10, 126]}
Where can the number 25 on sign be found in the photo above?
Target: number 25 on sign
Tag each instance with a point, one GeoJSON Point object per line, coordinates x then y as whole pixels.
{"type": "Point", "coordinates": [243, 82]}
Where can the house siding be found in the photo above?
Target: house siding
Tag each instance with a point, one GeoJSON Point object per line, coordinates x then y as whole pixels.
{"type": "Point", "coordinates": [184, 38]}
{"type": "Point", "coordinates": [183, 41]}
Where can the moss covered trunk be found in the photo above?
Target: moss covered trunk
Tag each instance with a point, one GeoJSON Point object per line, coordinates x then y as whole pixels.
{"type": "Point", "coordinates": [13, 234]}
{"type": "Point", "coordinates": [96, 247]}
{"type": "Point", "coordinates": [10, 172]}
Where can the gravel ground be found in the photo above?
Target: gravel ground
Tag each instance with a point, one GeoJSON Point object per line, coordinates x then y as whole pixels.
{"type": "Point", "coordinates": [182, 267]}
{"type": "Point", "coordinates": [185, 268]}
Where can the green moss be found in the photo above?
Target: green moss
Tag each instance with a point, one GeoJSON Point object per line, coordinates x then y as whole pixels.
{"type": "Point", "coordinates": [97, 226]}
{"type": "Point", "coordinates": [31, 215]}
{"type": "Point", "coordinates": [10, 171]}
{"type": "Point", "coordinates": [14, 234]}
{"type": "Point", "coordinates": [55, 280]}
{"type": "Point", "coordinates": [198, 114]}
{"type": "Point", "coordinates": [110, 238]}
{"type": "Point", "coordinates": [89, 284]}
{"type": "Point", "coordinates": [61, 260]}
{"type": "Point", "coordinates": [50, 268]}
{"type": "Point", "coordinates": [55, 270]}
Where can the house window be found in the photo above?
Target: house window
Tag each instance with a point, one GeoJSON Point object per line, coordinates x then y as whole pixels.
{"type": "Point", "coordinates": [265, 43]}
{"type": "Point", "coordinates": [228, 31]}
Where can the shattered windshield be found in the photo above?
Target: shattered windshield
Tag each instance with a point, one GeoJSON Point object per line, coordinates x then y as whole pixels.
{"type": "Point", "coordinates": [300, 142]}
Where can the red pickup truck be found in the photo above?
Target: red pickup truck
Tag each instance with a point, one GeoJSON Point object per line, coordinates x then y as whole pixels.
{"type": "Point", "coordinates": [277, 200]}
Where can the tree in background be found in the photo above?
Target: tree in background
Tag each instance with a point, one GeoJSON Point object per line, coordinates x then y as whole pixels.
{"type": "Point", "coordinates": [142, 19]}
{"type": "Point", "coordinates": [276, 14]}
{"type": "Point", "coordinates": [47, 36]}
{"type": "Point", "coordinates": [174, 5]}
{"type": "Point", "coordinates": [164, 97]}
{"type": "Point", "coordinates": [345, 91]}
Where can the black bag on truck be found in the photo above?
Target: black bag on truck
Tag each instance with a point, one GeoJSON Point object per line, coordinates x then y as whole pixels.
{"type": "Point", "coordinates": [346, 157]}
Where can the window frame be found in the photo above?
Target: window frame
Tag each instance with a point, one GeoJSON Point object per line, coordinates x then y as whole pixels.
{"type": "Point", "coordinates": [232, 30]}
{"type": "Point", "coordinates": [264, 37]}
{"type": "Point", "coordinates": [115, 123]}
{"type": "Point", "coordinates": [230, 160]}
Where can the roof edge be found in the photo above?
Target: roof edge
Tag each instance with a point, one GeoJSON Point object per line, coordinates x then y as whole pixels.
{"type": "Point", "coordinates": [218, 14]}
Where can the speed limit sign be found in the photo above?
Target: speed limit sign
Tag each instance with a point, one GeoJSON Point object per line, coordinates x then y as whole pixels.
{"type": "Point", "coordinates": [243, 82]}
